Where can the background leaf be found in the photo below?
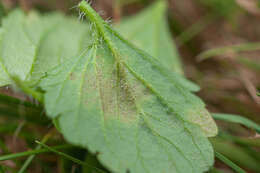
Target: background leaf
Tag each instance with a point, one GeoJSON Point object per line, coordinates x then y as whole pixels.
{"type": "Point", "coordinates": [149, 31]}
{"type": "Point", "coordinates": [64, 41]}
{"type": "Point", "coordinates": [237, 119]}
{"type": "Point", "coordinates": [20, 37]}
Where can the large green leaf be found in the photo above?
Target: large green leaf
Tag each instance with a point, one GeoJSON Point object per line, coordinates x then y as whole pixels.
{"type": "Point", "coordinates": [109, 96]}
{"type": "Point", "coordinates": [51, 40]}
{"type": "Point", "coordinates": [149, 31]}
{"type": "Point", "coordinates": [124, 105]}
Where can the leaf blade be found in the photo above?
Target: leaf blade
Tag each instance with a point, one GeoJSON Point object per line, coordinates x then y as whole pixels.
{"type": "Point", "coordinates": [104, 102]}
{"type": "Point", "coordinates": [149, 31]}
{"type": "Point", "coordinates": [26, 31]}
{"type": "Point", "coordinates": [237, 119]}
{"type": "Point", "coordinates": [108, 95]}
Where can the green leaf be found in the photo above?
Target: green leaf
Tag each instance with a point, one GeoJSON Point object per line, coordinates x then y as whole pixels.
{"type": "Point", "coordinates": [121, 103]}
{"type": "Point", "coordinates": [149, 31]}
{"type": "Point", "coordinates": [55, 39]}
{"type": "Point", "coordinates": [19, 41]}
{"type": "Point", "coordinates": [31, 45]}
{"type": "Point", "coordinates": [237, 119]}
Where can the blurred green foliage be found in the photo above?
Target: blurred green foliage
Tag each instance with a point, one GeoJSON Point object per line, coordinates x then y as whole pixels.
{"type": "Point", "coordinates": [221, 7]}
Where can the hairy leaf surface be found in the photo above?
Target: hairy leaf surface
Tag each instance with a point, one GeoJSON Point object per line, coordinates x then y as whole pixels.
{"type": "Point", "coordinates": [149, 31]}
{"type": "Point", "coordinates": [122, 104]}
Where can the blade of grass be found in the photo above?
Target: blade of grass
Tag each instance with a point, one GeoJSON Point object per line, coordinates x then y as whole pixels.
{"type": "Point", "coordinates": [249, 145]}
{"type": "Point", "coordinates": [18, 109]}
{"type": "Point", "coordinates": [252, 152]}
{"type": "Point", "coordinates": [249, 63]}
{"type": "Point", "coordinates": [73, 159]}
{"type": "Point", "coordinates": [124, 2]}
{"type": "Point", "coordinates": [236, 153]}
{"type": "Point", "coordinates": [32, 152]}
{"type": "Point", "coordinates": [3, 146]}
{"type": "Point", "coordinates": [13, 100]}
{"type": "Point", "coordinates": [28, 115]}
{"type": "Point", "coordinates": [2, 169]}
{"type": "Point", "coordinates": [31, 157]}
{"type": "Point", "coordinates": [195, 28]}
{"type": "Point", "coordinates": [237, 119]}
{"type": "Point", "coordinates": [8, 128]}
{"type": "Point", "coordinates": [229, 163]}
{"type": "Point", "coordinates": [254, 142]}
{"type": "Point", "coordinates": [229, 49]}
